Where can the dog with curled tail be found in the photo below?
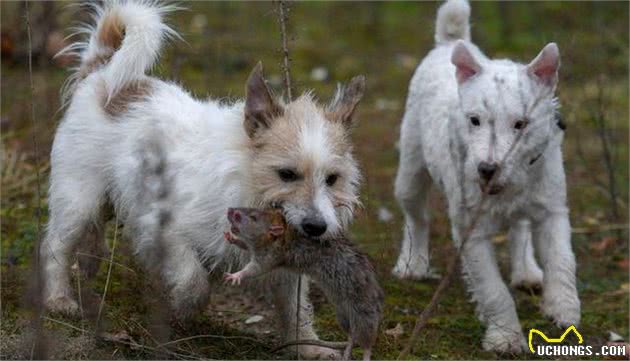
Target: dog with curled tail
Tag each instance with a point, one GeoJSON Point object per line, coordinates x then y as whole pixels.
{"type": "Point", "coordinates": [257, 152]}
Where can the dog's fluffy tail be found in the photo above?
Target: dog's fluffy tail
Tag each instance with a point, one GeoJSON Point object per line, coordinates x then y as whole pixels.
{"type": "Point", "coordinates": [452, 22]}
{"type": "Point", "coordinates": [124, 41]}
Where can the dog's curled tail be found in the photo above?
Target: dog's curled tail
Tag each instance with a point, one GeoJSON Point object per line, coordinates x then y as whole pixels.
{"type": "Point", "coordinates": [452, 22]}
{"type": "Point", "coordinates": [124, 41]}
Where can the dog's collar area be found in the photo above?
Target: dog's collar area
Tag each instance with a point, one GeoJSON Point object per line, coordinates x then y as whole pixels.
{"type": "Point", "coordinates": [560, 122]}
{"type": "Point", "coordinates": [562, 125]}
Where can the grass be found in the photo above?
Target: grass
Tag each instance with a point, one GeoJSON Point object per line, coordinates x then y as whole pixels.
{"type": "Point", "coordinates": [385, 42]}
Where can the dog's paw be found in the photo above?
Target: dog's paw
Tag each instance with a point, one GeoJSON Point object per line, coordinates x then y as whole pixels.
{"type": "Point", "coordinates": [63, 304]}
{"type": "Point", "coordinates": [318, 353]}
{"type": "Point", "coordinates": [528, 285]}
{"type": "Point", "coordinates": [416, 270]}
{"type": "Point", "coordinates": [562, 307]}
{"type": "Point", "coordinates": [530, 281]}
{"type": "Point", "coordinates": [504, 340]}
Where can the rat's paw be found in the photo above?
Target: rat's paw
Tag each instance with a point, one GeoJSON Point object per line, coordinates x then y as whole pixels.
{"type": "Point", "coordinates": [503, 340]}
{"type": "Point", "coordinates": [233, 278]}
{"type": "Point", "coordinates": [318, 353]}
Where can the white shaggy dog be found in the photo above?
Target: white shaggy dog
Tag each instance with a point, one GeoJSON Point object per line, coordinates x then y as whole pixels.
{"type": "Point", "coordinates": [475, 125]}
{"type": "Point", "coordinates": [259, 152]}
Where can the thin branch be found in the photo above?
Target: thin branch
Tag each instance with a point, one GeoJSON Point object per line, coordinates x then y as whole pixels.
{"type": "Point", "coordinates": [34, 125]}
{"type": "Point", "coordinates": [600, 117]}
{"type": "Point", "coordinates": [602, 228]}
{"type": "Point", "coordinates": [37, 349]}
{"type": "Point", "coordinates": [283, 18]}
{"type": "Point", "coordinates": [196, 337]}
{"type": "Point", "coordinates": [106, 259]}
{"type": "Point", "coordinates": [109, 273]}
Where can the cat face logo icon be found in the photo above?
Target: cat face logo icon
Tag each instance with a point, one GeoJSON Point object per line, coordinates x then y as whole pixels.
{"type": "Point", "coordinates": [553, 340]}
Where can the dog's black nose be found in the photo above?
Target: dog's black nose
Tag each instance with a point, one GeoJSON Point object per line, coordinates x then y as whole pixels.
{"type": "Point", "coordinates": [314, 226]}
{"type": "Point", "coordinates": [486, 170]}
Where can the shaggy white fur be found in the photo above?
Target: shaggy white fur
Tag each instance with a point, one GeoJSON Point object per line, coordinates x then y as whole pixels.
{"type": "Point", "coordinates": [209, 154]}
{"type": "Point", "coordinates": [475, 125]}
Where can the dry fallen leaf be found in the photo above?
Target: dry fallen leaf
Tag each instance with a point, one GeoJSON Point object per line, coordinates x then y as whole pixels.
{"type": "Point", "coordinates": [614, 337]}
{"type": "Point", "coordinates": [623, 290]}
{"type": "Point", "coordinates": [603, 243]}
{"type": "Point", "coordinates": [395, 332]}
{"type": "Point", "coordinates": [591, 221]}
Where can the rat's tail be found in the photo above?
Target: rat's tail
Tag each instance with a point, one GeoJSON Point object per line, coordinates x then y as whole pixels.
{"type": "Point", "coordinates": [452, 21]}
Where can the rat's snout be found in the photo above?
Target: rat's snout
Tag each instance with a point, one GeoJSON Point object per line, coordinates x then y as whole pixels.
{"type": "Point", "coordinates": [314, 226]}
{"type": "Point", "coordinates": [487, 170]}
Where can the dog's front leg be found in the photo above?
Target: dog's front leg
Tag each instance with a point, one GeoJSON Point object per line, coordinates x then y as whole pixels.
{"type": "Point", "coordinates": [552, 237]}
{"type": "Point", "coordinates": [284, 286]}
{"type": "Point", "coordinates": [495, 306]}
{"type": "Point", "coordinates": [526, 274]}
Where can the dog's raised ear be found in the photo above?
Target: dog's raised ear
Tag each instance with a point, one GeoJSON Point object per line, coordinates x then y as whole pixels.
{"type": "Point", "coordinates": [260, 106]}
{"type": "Point", "coordinates": [465, 63]}
{"type": "Point", "coordinates": [341, 108]}
{"type": "Point", "coordinates": [545, 66]}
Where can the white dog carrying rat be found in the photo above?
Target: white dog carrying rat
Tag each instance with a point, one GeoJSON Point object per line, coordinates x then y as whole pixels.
{"type": "Point", "coordinates": [345, 274]}
{"type": "Point", "coordinates": [255, 152]}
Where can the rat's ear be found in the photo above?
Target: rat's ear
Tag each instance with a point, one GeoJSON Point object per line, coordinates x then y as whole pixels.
{"type": "Point", "coordinates": [276, 230]}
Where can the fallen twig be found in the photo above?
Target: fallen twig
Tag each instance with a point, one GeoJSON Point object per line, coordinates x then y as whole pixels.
{"type": "Point", "coordinates": [208, 336]}
{"type": "Point", "coordinates": [602, 228]}
{"type": "Point", "coordinates": [331, 345]}
{"type": "Point", "coordinates": [109, 274]}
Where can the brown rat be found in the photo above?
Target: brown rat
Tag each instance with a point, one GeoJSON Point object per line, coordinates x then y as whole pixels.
{"type": "Point", "coordinates": [345, 275]}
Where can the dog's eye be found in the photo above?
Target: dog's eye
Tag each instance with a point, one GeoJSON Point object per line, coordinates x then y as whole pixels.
{"type": "Point", "coordinates": [520, 124]}
{"type": "Point", "coordinates": [287, 175]}
{"type": "Point", "coordinates": [475, 121]}
{"type": "Point", "coordinates": [331, 180]}
{"type": "Point", "coordinates": [253, 218]}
